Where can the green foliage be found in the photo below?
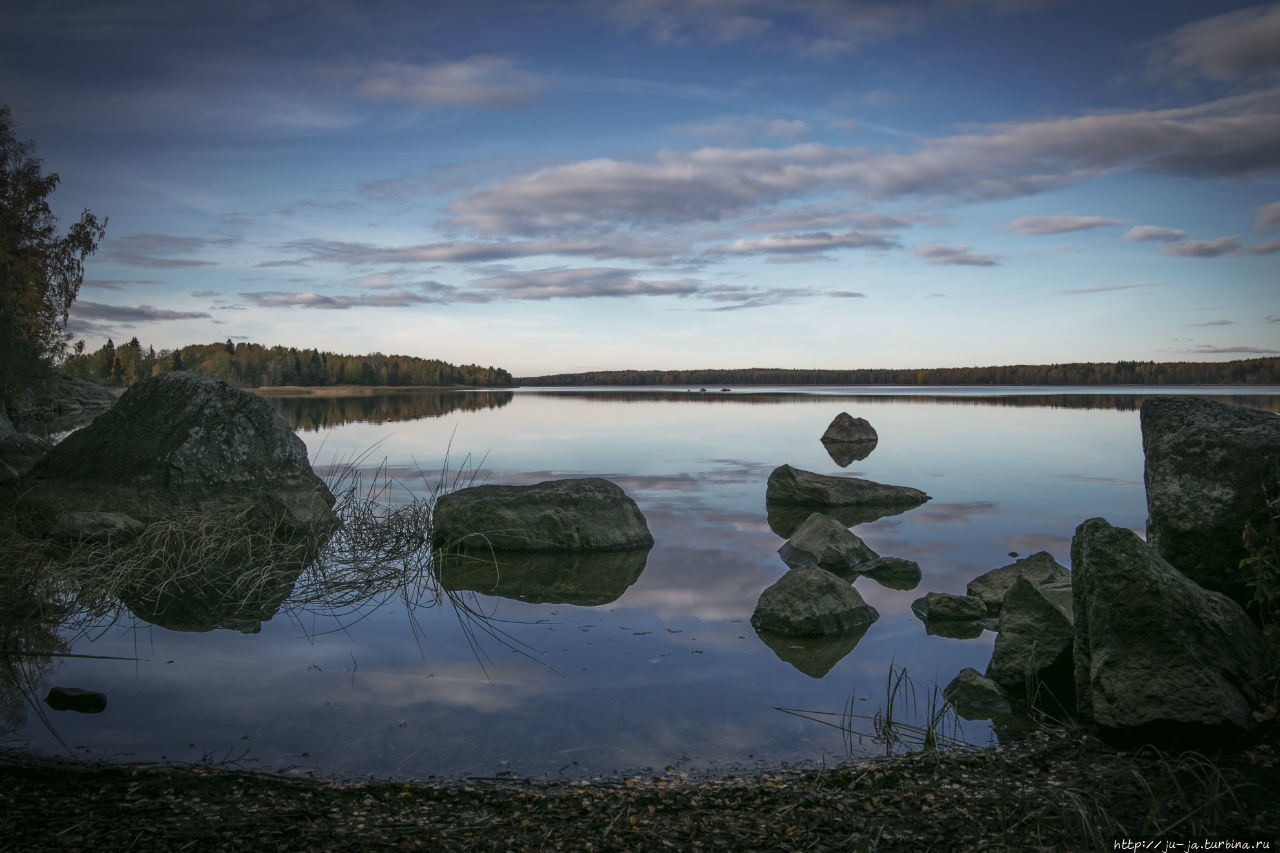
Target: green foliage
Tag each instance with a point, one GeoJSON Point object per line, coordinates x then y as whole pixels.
{"type": "Point", "coordinates": [40, 270]}
{"type": "Point", "coordinates": [248, 365]}
{"type": "Point", "coordinates": [1256, 371]}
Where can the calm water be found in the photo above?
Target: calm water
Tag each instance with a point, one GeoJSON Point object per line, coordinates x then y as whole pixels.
{"type": "Point", "coordinates": [649, 665]}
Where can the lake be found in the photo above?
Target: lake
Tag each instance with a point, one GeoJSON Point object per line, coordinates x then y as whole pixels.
{"type": "Point", "coordinates": [638, 666]}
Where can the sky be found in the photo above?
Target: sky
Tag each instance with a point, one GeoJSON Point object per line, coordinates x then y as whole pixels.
{"type": "Point", "coordinates": [562, 185]}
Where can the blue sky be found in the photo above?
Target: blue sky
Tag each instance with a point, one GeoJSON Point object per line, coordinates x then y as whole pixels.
{"type": "Point", "coordinates": [556, 185]}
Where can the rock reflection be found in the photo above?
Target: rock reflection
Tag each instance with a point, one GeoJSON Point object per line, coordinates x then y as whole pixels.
{"type": "Point", "coordinates": [845, 453]}
{"type": "Point", "coordinates": [235, 600]}
{"type": "Point", "coordinates": [583, 579]}
{"type": "Point", "coordinates": [785, 519]}
{"type": "Point", "coordinates": [814, 656]}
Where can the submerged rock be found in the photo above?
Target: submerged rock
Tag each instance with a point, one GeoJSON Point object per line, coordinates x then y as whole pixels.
{"type": "Point", "coordinates": [76, 699]}
{"type": "Point", "coordinates": [826, 543]}
{"type": "Point", "coordinates": [1207, 466]}
{"type": "Point", "coordinates": [1040, 569]}
{"type": "Point", "coordinates": [810, 601]}
{"type": "Point", "coordinates": [1158, 659]}
{"type": "Point", "coordinates": [793, 486]}
{"type": "Point", "coordinates": [893, 572]}
{"type": "Point", "coordinates": [585, 579]}
{"type": "Point", "coordinates": [180, 438]}
{"type": "Point", "coordinates": [587, 514]}
{"type": "Point", "coordinates": [945, 607]}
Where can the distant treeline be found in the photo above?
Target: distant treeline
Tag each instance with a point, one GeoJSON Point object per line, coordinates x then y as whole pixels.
{"type": "Point", "coordinates": [255, 366]}
{"type": "Point", "coordinates": [1254, 371]}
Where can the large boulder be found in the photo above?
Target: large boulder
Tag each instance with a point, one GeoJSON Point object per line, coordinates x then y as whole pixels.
{"type": "Point", "coordinates": [945, 607]}
{"type": "Point", "coordinates": [184, 439]}
{"type": "Point", "coordinates": [826, 543]}
{"type": "Point", "coordinates": [588, 514]}
{"type": "Point", "coordinates": [789, 485]}
{"type": "Point", "coordinates": [810, 602]}
{"type": "Point", "coordinates": [1040, 569]}
{"type": "Point", "coordinates": [1158, 658]}
{"type": "Point", "coordinates": [1032, 658]}
{"type": "Point", "coordinates": [1207, 466]}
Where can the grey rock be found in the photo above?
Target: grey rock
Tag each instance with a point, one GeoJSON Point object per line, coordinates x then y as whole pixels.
{"type": "Point", "coordinates": [976, 697]}
{"type": "Point", "coordinates": [1040, 569]}
{"type": "Point", "coordinates": [810, 601]}
{"type": "Point", "coordinates": [1032, 658]}
{"type": "Point", "coordinates": [945, 607]}
{"type": "Point", "coordinates": [588, 514]}
{"type": "Point", "coordinates": [1207, 464]}
{"type": "Point", "coordinates": [19, 453]}
{"type": "Point", "coordinates": [826, 543]}
{"type": "Point", "coordinates": [1158, 659]}
{"type": "Point", "coordinates": [793, 486]}
{"type": "Point", "coordinates": [186, 439]}
{"type": "Point", "coordinates": [96, 526]}
{"type": "Point", "coordinates": [848, 429]}
{"type": "Point", "coordinates": [893, 572]}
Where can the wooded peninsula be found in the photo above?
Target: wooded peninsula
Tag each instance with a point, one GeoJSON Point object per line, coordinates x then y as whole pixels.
{"type": "Point", "coordinates": [1255, 371]}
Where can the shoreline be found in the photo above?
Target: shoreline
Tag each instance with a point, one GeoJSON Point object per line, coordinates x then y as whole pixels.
{"type": "Point", "coordinates": [1060, 789]}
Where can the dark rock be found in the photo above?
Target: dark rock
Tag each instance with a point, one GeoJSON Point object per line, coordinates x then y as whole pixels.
{"type": "Point", "coordinates": [19, 451]}
{"type": "Point", "coordinates": [1207, 465]}
{"type": "Point", "coordinates": [848, 429]}
{"type": "Point", "coordinates": [893, 572]}
{"type": "Point", "coordinates": [76, 699]}
{"type": "Point", "coordinates": [794, 486]}
{"type": "Point", "coordinates": [96, 526]}
{"type": "Point", "coordinates": [585, 579]}
{"type": "Point", "coordinates": [945, 607]}
{"type": "Point", "coordinates": [826, 543]}
{"type": "Point", "coordinates": [1040, 569]}
{"type": "Point", "coordinates": [813, 656]}
{"type": "Point", "coordinates": [588, 514]}
{"type": "Point", "coordinates": [179, 438]}
{"type": "Point", "coordinates": [976, 697]}
{"type": "Point", "coordinates": [1033, 650]}
{"type": "Point", "coordinates": [810, 601]}
{"type": "Point", "coordinates": [1158, 659]}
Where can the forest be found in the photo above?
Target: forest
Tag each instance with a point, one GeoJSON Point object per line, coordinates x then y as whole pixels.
{"type": "Point", "coordinates": [1255, 371]}
{"type": "Point", "coordinates": [248, 365]}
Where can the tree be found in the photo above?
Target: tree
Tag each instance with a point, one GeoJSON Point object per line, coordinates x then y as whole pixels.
{"type": "Point", "coordinates": [40, 271]}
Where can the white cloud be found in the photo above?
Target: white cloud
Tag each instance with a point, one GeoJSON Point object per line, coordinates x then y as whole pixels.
{"type": "Point", "coordinates": [1154, 233]}
{"type": "Point", "coordinates": [1236, 44]}
{"type": "Point", "coordinates": [1039, 225]}
{"type": "Point", "coordinates": [816, 242]}
{"type": "Point", "coordinates": [583, 283]}
{"type": "Point", "coordinates": [1204, 248]}
{"type": "Point", "coordinates": [483, 81]}
{"type": "Point", "coordinates": [956, 256]}
{"type": "Point", "coordinates": [1109, 287]}
{"type": "Point", "coordinates": [1268, 216]}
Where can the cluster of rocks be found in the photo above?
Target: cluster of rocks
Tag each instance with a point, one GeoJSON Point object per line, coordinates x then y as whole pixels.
{"type": "Point", "coordinates": [816, 597]}
{"type": "Point", "coordinates": [1137, 639]}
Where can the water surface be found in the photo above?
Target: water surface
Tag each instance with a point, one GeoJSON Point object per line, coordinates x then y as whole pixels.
{"type": "Point", "coordinates": [641, 664]}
